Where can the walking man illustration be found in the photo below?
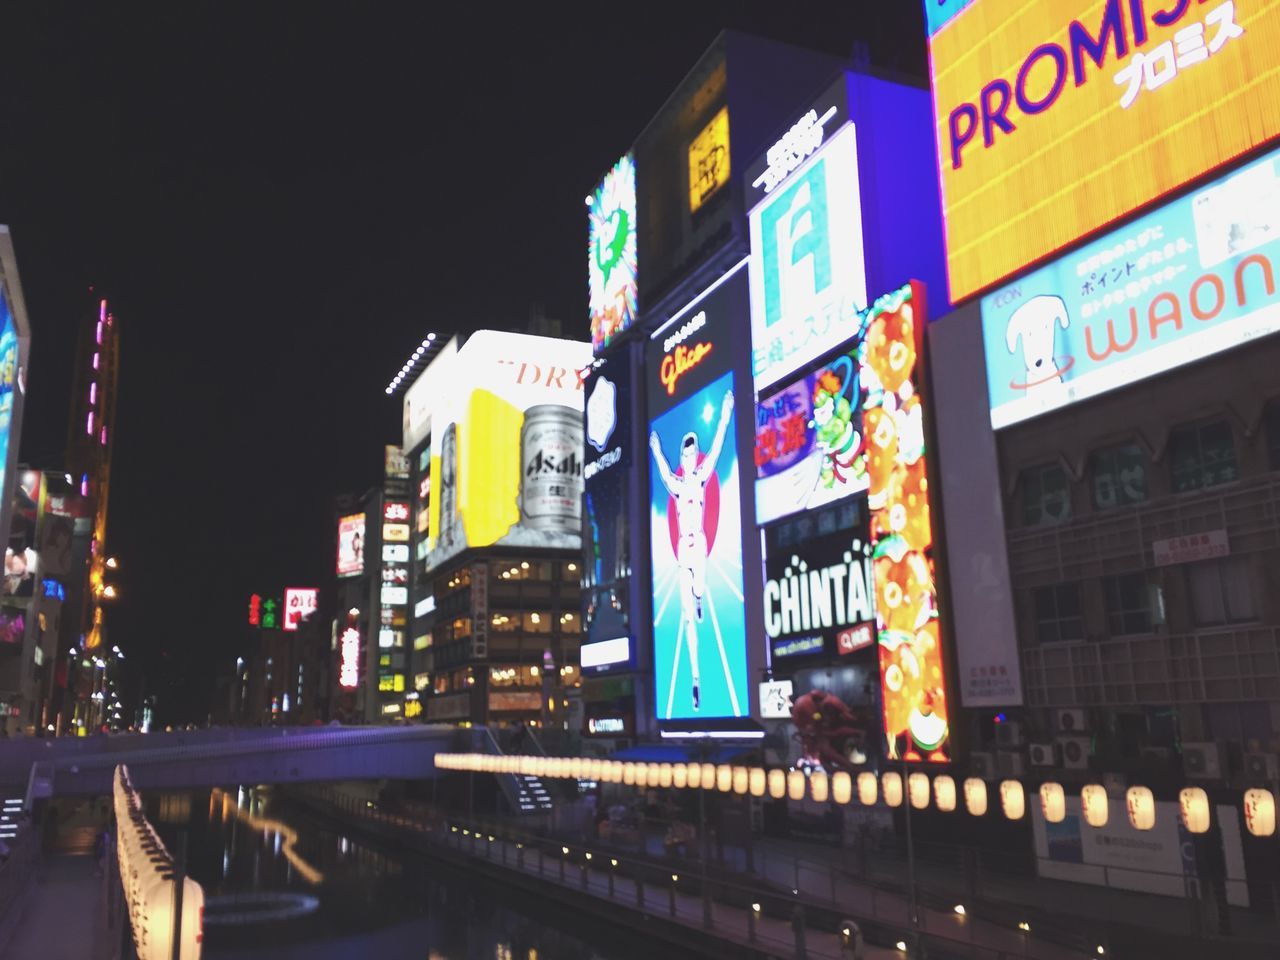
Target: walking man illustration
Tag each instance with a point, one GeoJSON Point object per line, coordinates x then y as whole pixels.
{"type": "Point", "coordinates": [688, 488]}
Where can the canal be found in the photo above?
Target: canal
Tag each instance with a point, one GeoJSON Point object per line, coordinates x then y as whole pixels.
{"type": "Point", "coordinates": [281, 885]}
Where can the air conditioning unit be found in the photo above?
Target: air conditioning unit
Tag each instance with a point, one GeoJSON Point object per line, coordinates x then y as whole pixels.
{"type": "Point", "coordinates": [1075, 752]}
{"type": "Point", "coordinates": [1044, 755]}
{"type": "Point", "coordinates": [1011, 764]}
{"type": "Point", "coordinates": [1008, 734]}
{"type": "Point", "coordinates": [1202, 761]}
{"type": "Point", "coordinates": [983, 765]}
{"type": "Point", "coordinates": [1071, 721]}
{"type": "Point", "coordinates": [1262, 766]}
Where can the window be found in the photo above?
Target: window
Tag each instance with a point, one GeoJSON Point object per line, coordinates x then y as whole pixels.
{"type": "Point", "coordinates": [1128, 600]}
{"type": "Point", "coordinates": [1221, 591]}
{"type": "Point", "coordinates": [1119, 476]}
{"type": "Point", "coordinates": [1057, 611]}
{"type": "Point", "coordinates": [1202, 456]}
{"type": "Point", "coordinates": [1046, 495]}
{"type": "Point", "coordinates": [1273, 434]}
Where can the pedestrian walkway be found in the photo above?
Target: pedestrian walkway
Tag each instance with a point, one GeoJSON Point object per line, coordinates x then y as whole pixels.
{"type": "Point", "coordinates": [64, 916]}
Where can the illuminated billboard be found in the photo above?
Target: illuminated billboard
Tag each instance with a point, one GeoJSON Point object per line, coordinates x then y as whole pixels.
{"type": "Point", "coordinates": [607, 502]}
{"type": "Point", "coordinates": [699, 620]}
{"type": "Point", "coordinates": [1192, 279]}
{"type": "Point", "coordinates": [611, 256]}
{"type": "Point", "coordinates": [8, 380]}
{"type": "Point", "coordinates": [808, 270]}
{"type": "Point", "coordinates": [349, 663]}
{"type": "Point", "coordinates": [420, 398]}
{"type": "Point", "coordinates": [507, 446]}
{"type": "Point", "coordinates": [1055, 117]}
{"type": "Point", "coordinates": [351, 545]}
{"type": "Point", "coordinates": [299, 605]}
{"type": "Point", "coordinates": [709, 160]}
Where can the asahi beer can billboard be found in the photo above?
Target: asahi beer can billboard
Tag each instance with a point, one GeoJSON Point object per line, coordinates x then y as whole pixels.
{"type": "Point", "coordinates": [507, 446]}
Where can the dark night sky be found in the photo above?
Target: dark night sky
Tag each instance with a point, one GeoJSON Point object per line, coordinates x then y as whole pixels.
{"type": "Point", "coordinates": [281, 199]}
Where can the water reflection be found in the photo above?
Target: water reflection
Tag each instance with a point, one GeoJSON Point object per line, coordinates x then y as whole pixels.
{"type": "Point", "coordinates": [295, 888]}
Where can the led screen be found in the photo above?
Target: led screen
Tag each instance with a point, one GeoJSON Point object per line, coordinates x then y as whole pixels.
{"type": "Point", "coordinates": [1192, 279]}
{"type": "Point", "coordinates": [611, 258]}
{"type": "Point", "coordinates": [351, 545]}
{"type": "Point", "coordinates": [808, 272]}
{"type": "Point", "coordinates": [8, 379]}
{"type": "Point", "coordinates": [699, 622]}
{"type": "Point", "coordinates": [507, 446]}
{"type": "Point", "coordinates": [606, 504]}
{"type": "Point", "coordinates": [1055, 117]}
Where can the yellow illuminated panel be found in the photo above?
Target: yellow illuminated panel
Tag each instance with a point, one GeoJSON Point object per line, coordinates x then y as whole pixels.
{"type": "Point", "coordinates": [709, 160]}
{"type": "Point", "coordinates": [1055, 117]}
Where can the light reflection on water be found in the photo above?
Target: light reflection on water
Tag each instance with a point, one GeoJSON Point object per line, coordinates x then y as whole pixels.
{"type": "Point", "coordinates": [370, 904]}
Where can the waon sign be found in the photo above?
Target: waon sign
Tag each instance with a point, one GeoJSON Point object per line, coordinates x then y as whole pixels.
{"type": "Point", "coordinates": [1056, 117]}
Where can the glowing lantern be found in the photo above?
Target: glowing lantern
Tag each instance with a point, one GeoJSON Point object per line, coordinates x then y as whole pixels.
{"type": "Point", "coordinates": [918, 790]}
{"type": "Point", "coordinates": [777, 784]}
{"type": "Point", "coordinates": [841, 787]}
{"type": "Point", "coordinates": [1053, 802]}
{"type": "Point", "coordinates": [1012, 799]}
{"type": "Point", "coordinates": [724, 778]}
{"type": "Point", "coordinates": [575, 768]}
{"type": "Point", "coordinates": [708, 776]}
{"type": "Point", "coordinates": [975, 796]}
{"type": "Point", "coordinates": [1260, 812]}
{"type": "Point", "coordinates": [642, 774]}
{"type": "Point", "coordinates": [818, 786]}
{"type": "Point", "coordinates": [1195, 809]}
{"type": "Point", "coordinates": [795, 784]}
{"type": "Point", "coordinates": [891, 787]}
{"type": "Point", "coordinates": [867, 789]}
{"type": "Point", "coordinates": [664, 775]}
{"type": "Point", "coordinates": [680, 776]}
{"type": "Point", "coordinates": [1141, 805]}
{"type": "Point", "coordinates": [741, 779]}
{"type": "Point", "coordinates": [655, 773]}
{"type": "Point", "coordinates": [1093, 803]}
{"type": "Point", "coordinates": [694, 775]}
{"type": "Point", "coordinates": [756, 782]}
{"type": "Point", "coordinates": [944, 792]}
{"type": "Point", "coordinates": [629, 774]}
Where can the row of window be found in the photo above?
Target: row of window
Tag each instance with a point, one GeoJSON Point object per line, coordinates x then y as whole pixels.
{"type": "Point", "coordinates": [1219, 592]}
{"type": "Point", "coordinates": [1199, 456]}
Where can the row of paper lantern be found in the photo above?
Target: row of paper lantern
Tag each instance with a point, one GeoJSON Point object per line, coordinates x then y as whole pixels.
{"type": "Point", "coordinates": [921, 791]}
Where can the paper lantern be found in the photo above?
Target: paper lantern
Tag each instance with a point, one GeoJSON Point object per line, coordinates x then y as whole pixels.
{"type": "Point", "coordinates": [654, 774]}
{"type": "Point", "coordinates": [1260, 812]}
{"type": "Point", "coordinates": [1141, 805]}
{"type": "Point", "coordinates": [867, 788]}
{"type": "Point", "coordinates": [756, 782]}
{"type": "Point", "coordinates": [1012, 799]}
{"type": "Point", "coordinates": [741, 779]}
{"type": "Point", "coordinates": [918, 790]}
{"type": "Point", "coordinates": [891, 787]}
{"type": "Point", "coordinates": [777, 784]}
{"type": "Point", "coordinates": [944, 793]}
{"type": "Point", "coordinates": [664, 776]}
{"type": "Point", "coordinates": [642, 775]}
{"type": "Point", "coordinates": [694, 775]}
{"type": "Point", "coordinates": [1093, 803]}
{"type": "Point", "coordinates": [795, 784]}
{"type": "Point", "coordinates": [575, 768]}
{"type": "Point", "coordinates": [818, 786]}
{"type": "Point", "coordinates": [708, 776]}
{"type": "Point", "coordinates": [975, 796]}
{"type": "Point", "coordinates": [629, 774]}
{"type": "Point", "coordinates": [724, 778]}
{"type": "Point", "coordinates": [1194, 803]}
{"type": "Point", "coordinates": [841, 787]}
{"type": "Point", "coordinates": [680, 775]}
{"type": "Point", "coordinates": [1053, 802]}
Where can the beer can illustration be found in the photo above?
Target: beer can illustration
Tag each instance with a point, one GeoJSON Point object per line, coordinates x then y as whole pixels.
{"type": "Point", "coordinates": [551, 479]}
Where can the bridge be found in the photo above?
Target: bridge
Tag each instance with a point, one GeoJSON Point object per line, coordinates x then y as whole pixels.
{"type": "Point", "coordinates": [187, 759]}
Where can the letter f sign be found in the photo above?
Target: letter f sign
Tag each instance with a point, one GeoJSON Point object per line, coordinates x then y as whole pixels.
{"type": "Point", "coordinates": [796, 246]}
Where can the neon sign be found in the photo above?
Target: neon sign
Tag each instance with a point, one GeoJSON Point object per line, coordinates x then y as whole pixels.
{"type": "Point", "coordinates": [349, 666]}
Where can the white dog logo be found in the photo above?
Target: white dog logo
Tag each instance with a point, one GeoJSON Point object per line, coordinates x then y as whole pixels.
{"type": "Point", "coordinates": [1035, 323]}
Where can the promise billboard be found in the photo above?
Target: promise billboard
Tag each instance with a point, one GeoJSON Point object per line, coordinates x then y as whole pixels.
{"type": "Point", "coordinates": [1056, 117]}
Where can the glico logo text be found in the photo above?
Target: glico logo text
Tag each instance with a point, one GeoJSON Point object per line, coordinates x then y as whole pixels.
{"type": "Point", "coordinates": [1042, 76]}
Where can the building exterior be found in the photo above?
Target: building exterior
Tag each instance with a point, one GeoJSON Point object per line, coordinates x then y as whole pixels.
{"type": "Point", "coordinates": [493, 436]}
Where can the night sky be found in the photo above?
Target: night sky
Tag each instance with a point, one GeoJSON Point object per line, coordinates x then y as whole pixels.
{"type": "Point", "coordinates": [281, 200]}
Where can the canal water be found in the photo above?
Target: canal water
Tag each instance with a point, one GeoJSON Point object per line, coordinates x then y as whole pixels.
{"type": "Point", "coordinates": [281, 885]}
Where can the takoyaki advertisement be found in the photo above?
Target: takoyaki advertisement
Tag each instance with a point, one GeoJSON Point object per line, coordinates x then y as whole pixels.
{"type": "Point", "coordinates": [819, 585]}
{"type": "Point", "coordinates": [699, 616]}
{"type": "Point", "coordinates": [831, 718]}
{"type": "Point", "coordinates": [506, 445]}
{"type": "Point", "coordinates": [809, 441]}
{"type": "Point", "coordinates": [912, 664]}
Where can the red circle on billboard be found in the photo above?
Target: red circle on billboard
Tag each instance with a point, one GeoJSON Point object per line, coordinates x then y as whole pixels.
{"type": "Point", "coordinates": [710, 511]}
